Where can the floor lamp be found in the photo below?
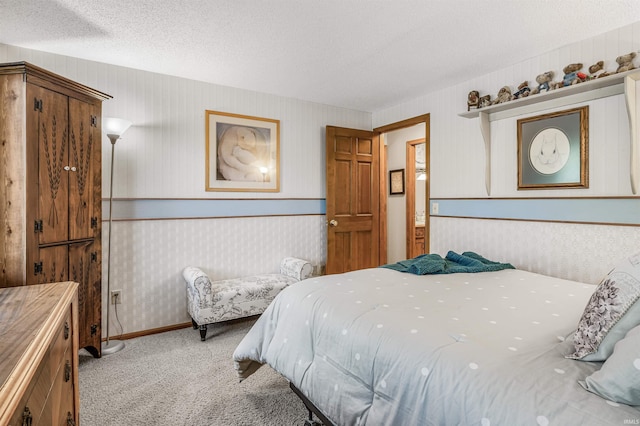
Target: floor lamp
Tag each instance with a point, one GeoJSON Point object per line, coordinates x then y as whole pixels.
{"type": "Point", "coordinates": [114, 128]}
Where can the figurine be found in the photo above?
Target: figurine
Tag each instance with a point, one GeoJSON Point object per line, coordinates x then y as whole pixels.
{"type": "Point", "coordinates": [523, 90]}
{"type": "Point", "coordinates": [625, 62]}
{"type": "Point", "coordinates": [484, 101]}
{"type": "Point", "coordinates": [571, 75]}
{"type": "Point", "coordinates": [593, 69]}
{"type": "Point", "coordinates": [543, 81]}
{"type": "Point", "coordinates": [504, 95]}
{"type": "Point", "coordinates": [472, 99]}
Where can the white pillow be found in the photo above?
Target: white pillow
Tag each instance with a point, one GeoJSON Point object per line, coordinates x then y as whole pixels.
{"type": "Point", "coordinates": [611, 312]}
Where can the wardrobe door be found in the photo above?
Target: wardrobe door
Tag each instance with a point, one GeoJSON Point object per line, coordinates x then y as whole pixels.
{"type": "Point", "coordinates": [51, 109]}
{"type": "Point", "coordinates": [53, 265]}
{"type": "Point", "coordinates": [82, 148]}
{"type": "Point", "coordinates": [83, 269]}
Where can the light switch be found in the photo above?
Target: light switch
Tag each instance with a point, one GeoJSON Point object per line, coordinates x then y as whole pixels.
{"type": "Point", "coordinates": [435, 208]}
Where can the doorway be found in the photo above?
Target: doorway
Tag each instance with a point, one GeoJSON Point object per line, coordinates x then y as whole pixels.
{"type": "Point", "coordinates": [398, 221]}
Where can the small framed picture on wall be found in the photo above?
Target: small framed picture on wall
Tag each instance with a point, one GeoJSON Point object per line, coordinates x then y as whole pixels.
{"type": "Point", "coordinates": [396, 182]}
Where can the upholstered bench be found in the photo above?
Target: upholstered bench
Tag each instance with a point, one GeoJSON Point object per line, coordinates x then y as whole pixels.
{"type": "Point", "coordinates": [210, 302]}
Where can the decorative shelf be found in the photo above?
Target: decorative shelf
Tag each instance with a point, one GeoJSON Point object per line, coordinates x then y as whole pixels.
{"type": "Point", "coordinates": [616, 84]}
{"type": "Point", "coordinates": [581, 92]}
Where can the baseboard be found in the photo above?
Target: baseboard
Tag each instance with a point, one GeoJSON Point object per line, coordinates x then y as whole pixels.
{"type": "Point", "coordinates": [150, 331]}
{"type": "Point", "coordinates": [171, 328]}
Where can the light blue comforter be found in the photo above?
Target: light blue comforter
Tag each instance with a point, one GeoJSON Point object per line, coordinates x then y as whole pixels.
{"type": "Point", "coordinates": [378, 347]}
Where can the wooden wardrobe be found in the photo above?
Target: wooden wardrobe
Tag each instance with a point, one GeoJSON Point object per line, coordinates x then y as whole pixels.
{"type": "Point", "coordinates": [51, 187]}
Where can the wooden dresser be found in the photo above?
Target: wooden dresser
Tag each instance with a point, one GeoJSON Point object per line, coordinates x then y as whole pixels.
{"type": "Point", "coordinates": [39, 361]}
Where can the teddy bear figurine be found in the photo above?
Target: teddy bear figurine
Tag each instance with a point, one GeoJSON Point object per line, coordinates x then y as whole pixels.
{"type": "Point", "coordinates": [523, 91]}
{"type": "Point", "coordinates": [544, 82]}
{"type": "Point", "coordinates": [572, 75]}
{"type": "Point", "coordinates": [625, 62]}
{"type": "Point", "coordinates": [484, 101]}
{"type": "Point", "coordinates": [504, 95]}
{"type": "Point", "coordinates": [472, 99]}
{"type": "Point", "coordinates": [593, 70]}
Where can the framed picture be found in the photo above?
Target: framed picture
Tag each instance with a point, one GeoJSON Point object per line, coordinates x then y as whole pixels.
{"type": "Point", "coordinates": [242, 153]}
{"type": "Point", "coordinates": [553, 150]}
{"type": "Point", "coordinates": [396, 182]}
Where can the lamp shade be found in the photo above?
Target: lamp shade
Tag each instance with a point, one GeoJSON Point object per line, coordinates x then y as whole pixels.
{"type": "Point", "coordinates": [115, 126]}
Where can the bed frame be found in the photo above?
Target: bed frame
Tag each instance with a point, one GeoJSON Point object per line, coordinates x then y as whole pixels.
{"type": "Point", "coordinates": [312, 409]}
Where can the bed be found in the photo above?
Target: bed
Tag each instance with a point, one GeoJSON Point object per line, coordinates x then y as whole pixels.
{"type": "Point", "coordinates": [384, 347]}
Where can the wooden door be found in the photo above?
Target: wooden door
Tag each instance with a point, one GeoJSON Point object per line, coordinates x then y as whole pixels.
{"type": "Point", "coordinates": [353, 202]}
{"type": "Point", "coordinates": [82, 144]}
{"type": "Point", "coordinates": [53, 154]}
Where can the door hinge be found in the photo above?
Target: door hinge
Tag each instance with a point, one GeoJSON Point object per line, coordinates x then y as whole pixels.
{"type": "Point", "coordinates": [37, 104]}
{"type": "Point", "coordinates": [94, 329]}
{"type": "Point", "coordinates": [94, 222]}
{"type": "Point", "coordinates": [94, 121]}
{"type": "Point", "coordinates": [94, 256]}
{"type": "Point", "coordinates": [37, 226]}
{"type": "Point", "coordinates": [37, 268]}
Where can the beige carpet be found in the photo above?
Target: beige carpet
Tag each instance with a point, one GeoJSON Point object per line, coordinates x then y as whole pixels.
{"type": "Point", "coordinates": [175, 379]}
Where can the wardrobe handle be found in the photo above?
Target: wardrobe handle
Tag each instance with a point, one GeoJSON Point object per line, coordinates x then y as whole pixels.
{"type": "Point", "coordinates": [70, 421]}
{"type": "Point", "coordinates": [27, 418]}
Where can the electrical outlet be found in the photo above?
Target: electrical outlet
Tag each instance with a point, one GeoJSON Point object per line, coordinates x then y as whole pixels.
{"type": "Point", "coordinates": [116, 297]}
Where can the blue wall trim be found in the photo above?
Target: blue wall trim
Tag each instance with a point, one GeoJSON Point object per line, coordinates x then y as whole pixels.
{"type": "Point", "coordinates": [138, 209]}
{"type": "Point", "coordinates": [619, 211]}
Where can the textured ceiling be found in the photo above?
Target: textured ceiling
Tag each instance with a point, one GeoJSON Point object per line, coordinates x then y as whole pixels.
{"type": "Point", "coordinates": [360, 54]}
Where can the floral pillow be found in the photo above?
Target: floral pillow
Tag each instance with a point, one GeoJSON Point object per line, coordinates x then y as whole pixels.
{"type": "Point", "coordinates": [619, 376]}
{"type": "Point", "coordinates": [612, 311]}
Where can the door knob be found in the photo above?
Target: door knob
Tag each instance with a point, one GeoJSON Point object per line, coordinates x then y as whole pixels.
{"type": "Point", "coordinates": [333, 222]}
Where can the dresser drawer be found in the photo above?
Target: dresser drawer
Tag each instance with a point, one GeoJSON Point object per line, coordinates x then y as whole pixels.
{"type": "Point", "coordinates": [419, 232]}
{"type": "Point", "coordinates": [62, 344]}
{"type": "Point", "coordinates": [35, 398]}
{"type": "Point", "coordinates": [59, 408]}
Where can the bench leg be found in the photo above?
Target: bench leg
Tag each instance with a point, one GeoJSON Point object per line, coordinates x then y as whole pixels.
{"type": "Point", "coordinates": [195, 324]}
{"type": "Point", "coordinates": [203, 332]}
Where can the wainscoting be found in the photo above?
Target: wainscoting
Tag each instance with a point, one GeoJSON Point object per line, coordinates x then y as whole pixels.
{"type": "Point", "coordinates": [148, 257]}
{"type": "Point", "coordinates": [580, 252]}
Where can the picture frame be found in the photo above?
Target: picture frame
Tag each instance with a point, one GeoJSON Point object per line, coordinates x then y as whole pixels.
{"type": "Point", "coordinates": [242, 153]}
{"type": "Point", "coordinates": [396, 182]}
{"type": "Point", "coordinates": [553, 150]}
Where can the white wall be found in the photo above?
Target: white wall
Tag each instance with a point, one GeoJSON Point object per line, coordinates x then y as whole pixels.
{"type": "Point", "coordinates": [457, 165]}
{"type": "Point", "coordinates": [163, 156]}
